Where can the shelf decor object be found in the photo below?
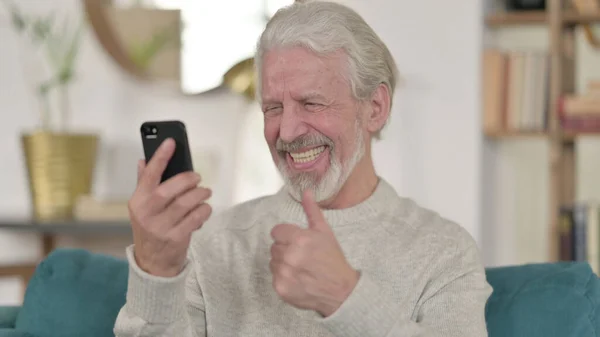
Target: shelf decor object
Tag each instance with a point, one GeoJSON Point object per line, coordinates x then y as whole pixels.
{"type": "Point", "coordinates": [241, 79]}
{"type": "Point", "coordinates": [144, 41]}
{"type": "Point", "coordinates": [585, 7]}
{"type": "Point", "coordinates": [525, 5]}
{"type": "Point", "coordinates": [60, 168]}
{"type": "Point", "coordinates": [59, 161]}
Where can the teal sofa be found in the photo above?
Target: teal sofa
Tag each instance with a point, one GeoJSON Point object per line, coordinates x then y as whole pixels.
{"type": "Point", "coordinates": [75, 293]}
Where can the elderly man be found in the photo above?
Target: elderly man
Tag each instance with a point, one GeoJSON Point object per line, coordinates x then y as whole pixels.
{"type": "Point", "coordinates": [336, 252]}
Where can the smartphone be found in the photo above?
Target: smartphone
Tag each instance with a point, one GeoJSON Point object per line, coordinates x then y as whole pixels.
{"type": "Point", "coordinates": [155, 133]}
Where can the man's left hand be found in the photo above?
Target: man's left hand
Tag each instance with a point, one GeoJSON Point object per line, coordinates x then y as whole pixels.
{"type": "Point", "coordinates": [308, 266]}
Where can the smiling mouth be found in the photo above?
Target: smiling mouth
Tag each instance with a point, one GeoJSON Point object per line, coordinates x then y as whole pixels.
{"type": "Point", "coordinates": [307, 156]}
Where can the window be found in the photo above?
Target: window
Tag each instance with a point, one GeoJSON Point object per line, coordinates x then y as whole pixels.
{"type": "Point", "coordinates": [217, 35]}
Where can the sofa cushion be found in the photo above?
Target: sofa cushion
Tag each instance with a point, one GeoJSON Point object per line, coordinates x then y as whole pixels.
{"type": "Point", "coordinates": [13, 333]}
{"type": "Point", "coordinates": [74, 293]}
{"type": "Point", "coordinates": [8, 316]}
{"type": "Point", "coordinates": [550, 300]}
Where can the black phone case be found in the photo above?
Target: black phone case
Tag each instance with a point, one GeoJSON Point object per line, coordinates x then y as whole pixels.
{"type": "Point", "coordinates": [181, 161]}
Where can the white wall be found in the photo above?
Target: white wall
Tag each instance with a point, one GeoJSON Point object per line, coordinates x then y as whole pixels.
{"type": "Point", "coordinates": [431, 148]}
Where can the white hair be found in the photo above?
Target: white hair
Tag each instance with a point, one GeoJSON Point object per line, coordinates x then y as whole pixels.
{"type": "Point", "coordinates": [325, 27]}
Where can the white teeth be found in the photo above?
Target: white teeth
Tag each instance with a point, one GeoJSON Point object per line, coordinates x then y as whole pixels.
{"type": "Point", "coordinates": [307, 156]}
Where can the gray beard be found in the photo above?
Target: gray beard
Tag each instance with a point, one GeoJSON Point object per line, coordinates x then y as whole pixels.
{"type": "Point", "coordinates": [334, 178]}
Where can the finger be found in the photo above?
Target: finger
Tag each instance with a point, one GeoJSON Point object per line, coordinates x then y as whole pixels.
{"type": "Point", "coordinates": [290, 255]}
{"type": "Point", "coordinates": [192, 222]}
{"type": "Point", "coordinates": [176, 186]}
{"type": "Point", "coordinates": [184, 204]}
{"type": "Point", "coordinates": [156, 166]}
{"type": "Point", "coordinates": [284, 233]}
{"type": "Point", "coordinates": [140, 168]}
{"type": "Point", "coordinates": [276, 268]}
{"type": "Point", "coordinates": [278, 251]}
{"type": "Point", "coordinates": [316, 219]}
{"type": "Point", "coordinates": [273, 266]}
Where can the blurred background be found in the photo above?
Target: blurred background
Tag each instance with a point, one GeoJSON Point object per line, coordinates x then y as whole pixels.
{"type": "Point", "coordinates": [494, 125]}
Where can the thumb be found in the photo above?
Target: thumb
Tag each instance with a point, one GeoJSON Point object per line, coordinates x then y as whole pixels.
{"type": "Point", "coordinates": [316, 219]}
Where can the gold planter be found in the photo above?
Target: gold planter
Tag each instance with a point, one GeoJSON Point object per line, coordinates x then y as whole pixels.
{"type": "Point", "coordinates": [60, 168]}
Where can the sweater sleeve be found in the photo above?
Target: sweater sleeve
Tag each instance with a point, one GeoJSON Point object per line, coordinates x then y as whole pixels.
{"type": "Point", "coordinates": [453, 306]}
{"type": "Point", "coordinates": [161, 307]}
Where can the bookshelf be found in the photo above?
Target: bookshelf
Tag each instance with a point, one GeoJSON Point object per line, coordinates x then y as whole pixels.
{"type": "Point", "coordinates": [561, 20]}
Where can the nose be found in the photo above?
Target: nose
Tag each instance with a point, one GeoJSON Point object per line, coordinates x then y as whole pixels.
{"type": "Point", "coordinates": [292, 126]}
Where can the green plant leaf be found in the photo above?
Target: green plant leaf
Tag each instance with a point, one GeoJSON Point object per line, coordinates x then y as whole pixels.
{"type": "Point", "coordinates": [53, 51]}
{"type": "Point", "coordinates": [72, 51]}
{"type": "Point", "coordinates": [46, 86]}
{"type": "Point", "coordinates": [42, 28]}
{"type": "Point", "coordinates": [16, 17]}
{"type": "Point", "coordinates": [60, 44]}
{"type": "Point", "coordinates": [144, 52]}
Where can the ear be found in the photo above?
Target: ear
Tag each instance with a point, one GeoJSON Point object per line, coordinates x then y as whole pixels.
{"type": "Point", "coordinates": [379, 108]}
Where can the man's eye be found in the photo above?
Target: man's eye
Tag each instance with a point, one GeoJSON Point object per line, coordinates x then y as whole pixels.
{"type": "Point", "coordinates": [272, 109]}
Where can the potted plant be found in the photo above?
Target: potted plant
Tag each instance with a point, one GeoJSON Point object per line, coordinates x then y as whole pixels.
{"type": "Point", "coordinates": [60, 162]}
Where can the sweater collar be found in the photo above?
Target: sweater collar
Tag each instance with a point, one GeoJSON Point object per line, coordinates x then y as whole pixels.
{"type": "Point", "coordinates": [383, 196]}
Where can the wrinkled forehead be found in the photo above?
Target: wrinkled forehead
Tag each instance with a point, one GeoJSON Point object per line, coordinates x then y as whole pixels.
{"type": "Point", "coordinates": [296, 71]}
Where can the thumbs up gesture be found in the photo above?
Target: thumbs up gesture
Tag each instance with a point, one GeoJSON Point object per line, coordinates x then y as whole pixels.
{"type": "Point", "coordinates": [308, 266]}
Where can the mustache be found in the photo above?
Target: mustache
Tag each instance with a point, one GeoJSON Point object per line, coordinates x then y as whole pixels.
{"type": "Point", "coordinates": [302, 142]}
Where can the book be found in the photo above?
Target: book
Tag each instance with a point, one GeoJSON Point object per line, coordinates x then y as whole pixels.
{"type": "Point", "coordinates": [579, 234]}
{"type": "Point", "coordinates": [580, 113]}
{"type": "Point", "coordinates": [515, 90]}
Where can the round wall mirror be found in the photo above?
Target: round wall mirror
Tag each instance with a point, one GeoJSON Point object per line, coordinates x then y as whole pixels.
{"type": "Point", "coordinates": [217, 42]}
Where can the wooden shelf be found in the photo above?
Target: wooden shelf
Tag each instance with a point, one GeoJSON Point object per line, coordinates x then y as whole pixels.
{"type": "Point", "coordinates": [579, 19]}
{"type": "Point", "coordinates": [68, 227]}
{"type": "Point", "coordinates": [515, 134]}
{"type": "Point", "coordinates": [567, 137]}
{"type": "Point", "coordinates": [517, 18]}
{"type": "Point", "coordinates": [25, 269]}
{"type": "Point", "coordinates": [538, 18]}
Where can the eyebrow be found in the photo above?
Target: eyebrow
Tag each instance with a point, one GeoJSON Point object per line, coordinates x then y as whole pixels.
{"type": "Point", "coordinates": [311, 95]}
{"type": "Point", "coordinates": [303, 97]}
{"type": "Point", "coordinates": [269, 101]}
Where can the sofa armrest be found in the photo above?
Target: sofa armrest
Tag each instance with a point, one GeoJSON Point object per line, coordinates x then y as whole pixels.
{"type": "Point", "coordinates": [8, 316]}
{"type": "Point", "coordinates": [13, 333]}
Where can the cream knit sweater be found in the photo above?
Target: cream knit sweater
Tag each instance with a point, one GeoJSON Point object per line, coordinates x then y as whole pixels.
{"type": "Point", "coordinates": [421, 275]}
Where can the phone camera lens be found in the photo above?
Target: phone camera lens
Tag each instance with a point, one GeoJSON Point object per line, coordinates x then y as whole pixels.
{"type": "Point", "coordinates": [148, 130]}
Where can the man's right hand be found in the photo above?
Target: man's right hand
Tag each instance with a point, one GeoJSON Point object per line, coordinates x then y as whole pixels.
{"type": "Point", "coordinates": [164, 216]}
